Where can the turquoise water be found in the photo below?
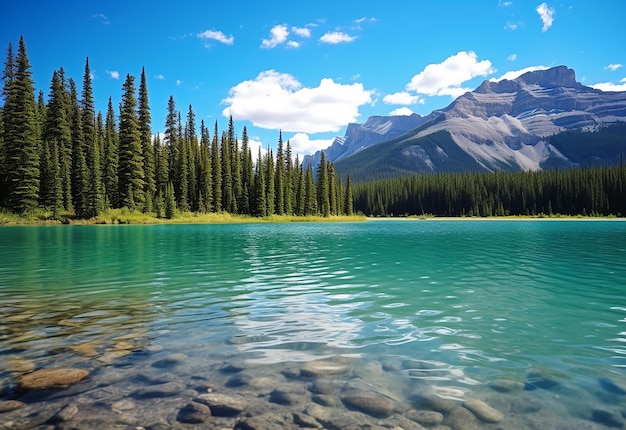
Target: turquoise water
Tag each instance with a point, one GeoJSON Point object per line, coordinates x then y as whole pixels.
{"type": "Point", "coordinates": [469, 302]}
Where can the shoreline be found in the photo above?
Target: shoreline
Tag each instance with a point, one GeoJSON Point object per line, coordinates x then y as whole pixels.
{"type": "Point", "coordinates": [500, 218]}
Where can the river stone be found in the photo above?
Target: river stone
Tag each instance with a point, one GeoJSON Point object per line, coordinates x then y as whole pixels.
{"type": "Point", "coordinates": [322, 386]}
{"type": "Point", "coordinates": [506, 385]}
{"type": "Point", "coordinates": [304, 420]}
{"type": "Point", "coordinates": [66, 414]}
{"type": "Point", "coordinates": [264, 422]}
{"type": "Point", "coordinates": [400, 422]}
{"type": "Point", "coordinates": [170, 360]}
{"type": "Point", "coordinates": [431, 401]}
{"type": "Point", "coordinates": [222, 405]}
{"type": "Point", "coordinates": [20, 365]}
{"type": "Point", "coordinates": [193, 413]}
{"type": "Point", "coordinates": [369, 403]}
{"type": "Point", "coordinates": [326, 400]}
{"type": "Point", "coordinates": [611, 386]}
{"type": "Point", "coordinates": [325, 368]}
{"type": "Point", "coordinates": [425, 418]}
{"type": "Point", "coordinates": [167, 389]}
{"type": "Point", "coordinates": [9, 405]}
{"type": "Point", "coordinates": [461, 419]}
{"type": "Point", "coordinates": [233, 367]}
{"type": "Point", "coordinates": [607, 418]}
{"type": "Point", "coordinates": [483, 411]}
{"type": "Point", "coordinates": [51, 378]}
{"type": "Point", "coordinates": [287, 395]}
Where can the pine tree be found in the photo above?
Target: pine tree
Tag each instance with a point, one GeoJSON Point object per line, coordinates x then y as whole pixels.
{"type": "Point", "coordinates": [310, 199]}
{"type": "Point", "coordinates": [247, 174]}
{"type": "Point", "coordinates": [145, 132]}
{"type": "Point", "coordinates": [94, 197]}
{"type": "Point", "coordinates": [289, 188]}
{"type": "Point", "coordinates": [205, 174]}
{"type": "Point", "coordinates": [21, 146]}
{"type": "Point", "coordinates": [111, 159]}
{"type": "Point", "coordinates": [131, 174]}
{"type": "Point", "coordinates": [270, 194]}
{"type": "Point", "coordinates": [348, 204]}
{"type": "Point", "coordinates": [79, 174]}
{"type": "Point", "coordinates": [228, 197]}
{"type": "Point", "coordinates": [259, 206]}
{"type": "Point", "coordinates": [235, 165]}
{"type": "Point", "coordinates": [191, 151]}
{"type": "Point", "coordinates": [170, 202]}
{"type": "Point", "coordinates": [216, 164]}
{"type": "Point", "coordinates": [182, 170]}
{"type": "Point", "coordinates": [8, 78]}
{"type": "Point", "coordinates": [323, 187]}
{"type": "Point", "coordinates": [279, 177]}
{"type": "Point", "coordinates": [170, 138]}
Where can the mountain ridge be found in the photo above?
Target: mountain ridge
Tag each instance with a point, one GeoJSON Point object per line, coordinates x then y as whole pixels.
{"type": "Point", "coordinates": [501, 125]}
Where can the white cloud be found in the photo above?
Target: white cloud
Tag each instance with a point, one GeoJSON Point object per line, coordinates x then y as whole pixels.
{"type": "Point", "coordinates": [336, 37]}
{"type": "Point", "coordinates": [178, 82]}
{"type": "Point", "coordinates": [113, 74]}
{"type": "Point", "coordinates": [278, 35]}
{"type": "Point", "coordinates": [517, 73]}
{"type": "Point", "coordinates": [293, 44]}
{"type": "Point", "coordinates": [276, 100]}
{"type": "Point", "coordinates": [510, 26]}
{"type": "Point", "coordinates": [512, 57]}
{"type": "Point", "coordinates": [505, 3]}
{"type": "Point", "coordinates": [217, 36]}
{"type": "Point", "coordinates": [401, 98]}
{"type": "Point", "coordinates": [301, 31]}
{"type": "Point", "coordinates": [403, 111]}
{"type": "Point", "coordinates": [546, 14]}
{"type": "Point", "coordinates": [613, 67]}
{"type": "Point", "coordinates": [610, 86]}
{"type": "Point", "coordinates": [302, 144]}
{"type": "Point", "coordinates": [446, 78]}
{"type": "Point", "coordinates": [159, 77]}
{"type": "Point", "coordinates": [364, 19]}
{"type": "Point", "coordinates": [102, 17]}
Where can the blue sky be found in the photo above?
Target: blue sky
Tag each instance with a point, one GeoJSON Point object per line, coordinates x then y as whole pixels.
{"type": "Point", "coordinates": [310, 68]}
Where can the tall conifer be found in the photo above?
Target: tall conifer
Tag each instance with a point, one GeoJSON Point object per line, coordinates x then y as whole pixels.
{"type": "Point", "coordinates": [216, 164]}
{"type": "Point", "coordinates": [94, 192]}
{"type": "Point", "coordinates": [145, 131]}
{"type": "Point", "coordinates": [111, 158]}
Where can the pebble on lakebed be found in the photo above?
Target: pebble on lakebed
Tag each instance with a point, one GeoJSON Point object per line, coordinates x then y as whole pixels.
{"type": "Point", "coordinates": [51, 378]}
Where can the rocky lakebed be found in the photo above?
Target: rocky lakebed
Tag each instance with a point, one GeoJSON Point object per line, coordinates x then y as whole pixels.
{"type": "Point", "coordinates": [151, 388]}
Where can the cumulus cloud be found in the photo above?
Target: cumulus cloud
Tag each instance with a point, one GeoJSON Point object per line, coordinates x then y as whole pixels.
{"type": "Point", "coordinates": [217, 36]}
{"type": "Point", "coordinates": [401, 98]}
{"type": "Point", "coordinates": [113, 74]}
{"type": "Point", "coordinates": [278, 35]}
{"type": "Point", "coordinates": [403, 111]}
{"type": "Point", "coordinates": [546, 14]}
{"type": "Point", "coordinates": [178, 82]}
{"type": "Point", "coordinates": [276, 100]}
{"type": "Point", "coordinates": [517, 73]}
{"type": "Point", "coordinates": [512, 57]}
{"type": "Point", "coordinates": [613, 67]}
{"type": "Point", "coordinates": [510, 26]}
{"type": "Point", "coordinates": [159, 77]}
{"type": "Point", "coordinates": [447, 77]}
{"type": "Point", "coordinates": [301, 143]}
{"type": "Point", "coordinates": [301, 31]}
{"type": "Point", "coordinates": [610, 86]}
{"type": "Point", "coordinates": [293, 44]}
{"type": "Point", "coordinates": [336, 37]}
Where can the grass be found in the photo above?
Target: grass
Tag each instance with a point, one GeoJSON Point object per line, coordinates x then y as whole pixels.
{"type": "Point", "coordinates": [126, 216]}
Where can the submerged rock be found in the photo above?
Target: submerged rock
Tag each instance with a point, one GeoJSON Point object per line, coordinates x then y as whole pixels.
{"type": "Point", "coordinates": [607, 418]}
{"type": "Point", "coordinates": [304, 420]}
{"type": "Point", "coordinates": [506, 385]}
{"type": "Point", "coordinates": [170, 360]}
{"type": "Point", "coordinates": [431, 401]}
{"type": "Point", "coordinates": [222, 405]}
{"type": "Point", "coordinates": [483, 411]}
{"type": "Point", "coordinates": [193, 413]}
{"type": "Point", "coordinates": [425, 418]}
{"type": "Point", "coordinates": [51, 378]}
{"type": "Point", "coordinates": [288, 395]}
{"type": "Point", "coordinates": [325, 367]}
{"type": "Point", "coordinates": [368, 403]}
{"type": "Point", "coordinates": [612, 386]}
{"type": "Point", "coordinates": [167, 389]}
{"type": "Point", "coordinates": [461, 419]}
{"type": "Point", "coordinates": [66, 414]}
{"type": "Point", "coordinates": [10, 405]}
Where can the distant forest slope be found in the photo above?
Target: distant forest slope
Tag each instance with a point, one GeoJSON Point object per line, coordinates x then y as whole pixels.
{"type": "Point", "coordinates": [596, 191]}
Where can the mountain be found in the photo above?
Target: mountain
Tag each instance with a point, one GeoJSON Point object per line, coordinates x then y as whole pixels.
{"type": "Point", "coordinates": [360, 136]}
{"type": "Point", "coordinates": [514, 124]}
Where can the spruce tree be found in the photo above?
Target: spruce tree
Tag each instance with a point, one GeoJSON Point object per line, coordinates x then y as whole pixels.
{"type": "Point", "coordinates": [290, 185]}
{"type": "Point", "coordinates": [145, 132]}
{"type": "Point", "coordinates": [348, 204]}
{"type": "Point", "coordinates": [79, 174]}
{"type": "Point", "coordinates": [235, 165]}
{"type": "Point", "coordinates": [216, 164]}
{"type": "Point", "coordinates": [131, 179]}
{"type": "Point", "coordinates": [270, 194]}
{"type": "Point", "coordinates": [259, 206]}
{"type": "Point", "coordinates": [205, 177]}
{"type": "Point", "coordinates": [323, 187]}
{"type": "Point", "coordinates": [111, 158]}
{"type": "Point", "coordinates": [21, 146]}
{"type": "Point", "coordinates": [228, 197]}
{"type": "Point", "coordinates": [181, 187]}
{"type": "Point", "coordinates": [170, 138]}
{"type": "Point", "coordinates": [310, 205]}
{"type": "Point", "coordinates": [94, 197]}
{"type": "Point", "coordinates": [247, 174]}
{"type": "Point", "coordinates": [8, 77]}
{"type": "Point", "coordinates": [279, 177]}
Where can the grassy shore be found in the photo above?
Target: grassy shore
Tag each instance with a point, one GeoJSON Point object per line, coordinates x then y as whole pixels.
{"type": "Point", "coordinates": [125, 216]}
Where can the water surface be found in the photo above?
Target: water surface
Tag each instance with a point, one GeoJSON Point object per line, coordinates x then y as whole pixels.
{"type": "Point", "coordinates": [464, 303]}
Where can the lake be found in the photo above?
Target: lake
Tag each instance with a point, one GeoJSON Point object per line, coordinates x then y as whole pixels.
{"type": "Point", "coordinates": [508, 324]}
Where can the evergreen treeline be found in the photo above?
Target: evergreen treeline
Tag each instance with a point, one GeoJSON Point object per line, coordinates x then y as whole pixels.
{"type": "Point", "coordinates": [598, 191]}
{"type": "Point", "coordinates": [62, 156]}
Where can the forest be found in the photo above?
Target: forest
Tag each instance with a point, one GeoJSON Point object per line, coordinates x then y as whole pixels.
{"type": "Point", "coordinates": [587, 191]}
{"type": "Point", "coordinates": [58, 154]}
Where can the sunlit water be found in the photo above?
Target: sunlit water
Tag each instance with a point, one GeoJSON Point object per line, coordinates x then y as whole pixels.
{"type": "Point", "coordinates": [459, 303]}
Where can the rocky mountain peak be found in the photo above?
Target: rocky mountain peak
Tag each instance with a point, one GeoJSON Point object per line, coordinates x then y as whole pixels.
{"type": "Point", "coordinates": [559, 76]}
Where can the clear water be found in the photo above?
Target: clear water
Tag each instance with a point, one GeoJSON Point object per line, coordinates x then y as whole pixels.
{"type": "Point", "coordinates": [477, 301]}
